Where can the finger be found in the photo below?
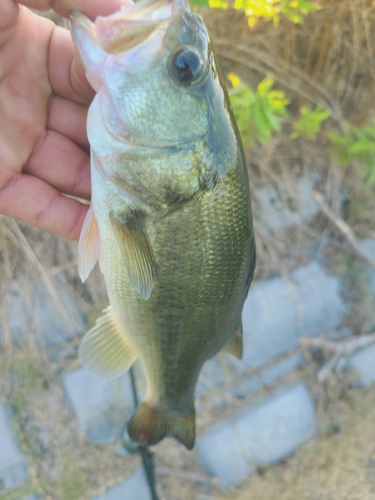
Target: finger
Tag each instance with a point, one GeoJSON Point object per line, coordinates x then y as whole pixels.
{"type": "Point", "coordinates": [90, 8]}
{"type": "Point", "coordinates": [62, 164]}
{"type": "Point", "coordinates": [66, 73]}
{"type": "Point", "coordinates": [69, 119]}
{"type": "Point", "coordinates": [33, 201]}
{"type": "Point", "coordinates": [9, 15]}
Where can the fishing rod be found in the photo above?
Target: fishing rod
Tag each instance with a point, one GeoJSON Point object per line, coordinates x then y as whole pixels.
{"type": "Point", "coordinates": [146, 455]}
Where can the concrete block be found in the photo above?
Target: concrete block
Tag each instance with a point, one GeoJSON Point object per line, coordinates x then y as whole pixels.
{"type": "Point", "coordinates": [273, 373]}
{"type": "Point", "coordinates": [276, 211]}
{"type": "Point", "coordinates": [363, 362]}
{"type": "Point", "coordinates": [218, 401]}
{"type": "Point", "coordinates": [340, 333]}
{"type": "Point", "coordinates": [121, 451]}
{"type": "Point", "coordinates": [135, 487]}
{"type": "Point", "coordinates": [13, 463]}
{"type": "Point", "coordinates": [102, 407]}
{"type": "Point", "coordinates": [220, 452]}
{"type": "Point", "coordinates": [279, 311]}
{"type": "Point", "coordinates": [367, 301]}
{"type": "Point", "coordinates": [237, 366]}
{"type": "Point", "coordinates": [368, 247]}
{"type": "Point", "coordinates": [263, 433]}
{"type": "Point", "coordinates": [211, 377]}
{"type": "Point", "coordinates": [248, 386]}
{"type": "Point", "coordinates": [273, 428]}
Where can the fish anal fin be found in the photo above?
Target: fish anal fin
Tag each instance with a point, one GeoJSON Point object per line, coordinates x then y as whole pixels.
{"type": "Point", "coordinates": [88, 246]}
{"type": "Point", "coordinates": [138, 257]}
{"type": "Point", "coordinates": [104, 348]}
{"type": "Point", "coordinates": [234, 346]}
{"type": "Point", "coordinates": [149, 425]}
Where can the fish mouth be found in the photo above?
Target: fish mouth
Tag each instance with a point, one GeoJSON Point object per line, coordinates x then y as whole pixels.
{"type": "Point", "coordinates": [131, 25]}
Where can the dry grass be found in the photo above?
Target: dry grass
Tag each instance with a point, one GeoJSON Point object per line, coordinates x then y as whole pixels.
{"type": "Point", "coordinates": [331, 467]}
{"type": "Point", "coordinates": [327, 60]}
{"type": "Point", "coordinates": [36, 259]}
{"type": "Point", "coordinates": [63, 465]}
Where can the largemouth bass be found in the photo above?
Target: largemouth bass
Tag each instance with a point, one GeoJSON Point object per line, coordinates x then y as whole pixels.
{"type": "Point", "coordinates": [170, 217]}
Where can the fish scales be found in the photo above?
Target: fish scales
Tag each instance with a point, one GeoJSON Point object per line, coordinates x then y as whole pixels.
{"type": "Point", "coordinates": [175, 327]}
{"type": "Point", "coordinates": [170, 218]}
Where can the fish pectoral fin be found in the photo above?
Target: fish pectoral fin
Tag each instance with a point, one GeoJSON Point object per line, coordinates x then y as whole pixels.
{"type": "Point", "coordinates": [234, 346]}
{"type": "Point", "coordinates": [88, 246]}
{"type": "Point", "coordinates": [138, 257]}
{"type": "Point", "coordinates": [149, 425]}
{"type": "Point", "coordinates": [104, 348]}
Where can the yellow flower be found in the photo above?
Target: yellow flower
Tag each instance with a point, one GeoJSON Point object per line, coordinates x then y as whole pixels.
{"type": "Point", "coordinates": [219, 4]}
{"type": "Point", "coordinates": [234, 80]}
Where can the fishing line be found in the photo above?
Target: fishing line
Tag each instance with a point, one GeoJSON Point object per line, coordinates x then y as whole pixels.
{"type": "Point", "coordinates": [147, 456]}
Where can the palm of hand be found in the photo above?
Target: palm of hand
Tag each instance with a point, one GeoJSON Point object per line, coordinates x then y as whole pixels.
{"type": "Point", "coordinates": [43, 104]}
{"type": "Point", "coordinates": [44, 97]}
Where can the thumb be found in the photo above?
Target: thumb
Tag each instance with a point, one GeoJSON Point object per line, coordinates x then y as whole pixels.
{"type": "Point", "coordinates": [91, 8]}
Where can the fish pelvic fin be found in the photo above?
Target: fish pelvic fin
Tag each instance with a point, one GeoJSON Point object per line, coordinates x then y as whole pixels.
{"type": "Point", "coordinates": [149, 425]}
{"type": "Point", "coordinates": [88, 246]}
{"type": "Point", "coordinates": [104, 348]}
{"type": "Point", "coordinates": [138, 257]}
{"type": "Point", "coordinates": [234, 346]}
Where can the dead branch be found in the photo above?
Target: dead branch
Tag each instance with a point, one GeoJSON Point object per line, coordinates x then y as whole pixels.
{"type": "Point", "coordinates": [343, 227]}
{"type": "Point", "coordinates": [338, 350]}
{"type": "Point", "coordinates": [188, 476]}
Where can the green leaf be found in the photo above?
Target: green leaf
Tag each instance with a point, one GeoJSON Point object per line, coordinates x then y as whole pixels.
{"type": "Point", "coordinates": [362, 148]}
{"type": "Point", "coordinates": [258, 113]}
{"type": "Point", "coordinates": [337, 139]}
{"type": "Point", "coordinates": [200, 3]}
{"type": "Point", "coordinates": [309, 124]}
{"type": "Point", "coordinates": [272, 118]}
{"type": "Point", "coordinates": [358, 133]}
{"type": "Point", "coordinates": [356, 144]}
{"type": "Point", "coordinates": [369, 131]}
{"type": "Point", "coordinates": [262, 124]}
{"type": "Point", "coordinates": [371, 177]}
{"type": "Point", "coordinates": [265, 85]}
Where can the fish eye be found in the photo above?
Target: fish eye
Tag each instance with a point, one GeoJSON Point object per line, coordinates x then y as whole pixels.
{"type": "Point", "coordinates": [186, 66]}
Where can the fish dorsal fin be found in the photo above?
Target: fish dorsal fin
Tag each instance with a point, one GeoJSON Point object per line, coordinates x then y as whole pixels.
{"type": "Point", "coordinates": [88, 246]}
{"type": "Point", "coordinates": [104, 348]}
{"type": "Point", "coordinates": [137, 253]}
{"type": "Point", "coordinates": [234, 346]}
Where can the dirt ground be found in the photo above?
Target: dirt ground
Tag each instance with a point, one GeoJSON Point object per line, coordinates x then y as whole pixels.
{"type": "Point", "coordinates": [339, 464]}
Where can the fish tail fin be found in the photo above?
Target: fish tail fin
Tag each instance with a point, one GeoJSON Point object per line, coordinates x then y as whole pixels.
{"type": "Point", "coordinates": [149, 425]}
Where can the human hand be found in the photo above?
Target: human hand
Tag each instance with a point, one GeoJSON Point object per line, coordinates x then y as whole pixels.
{"type": "Point", "coordinates": [44, 97]}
